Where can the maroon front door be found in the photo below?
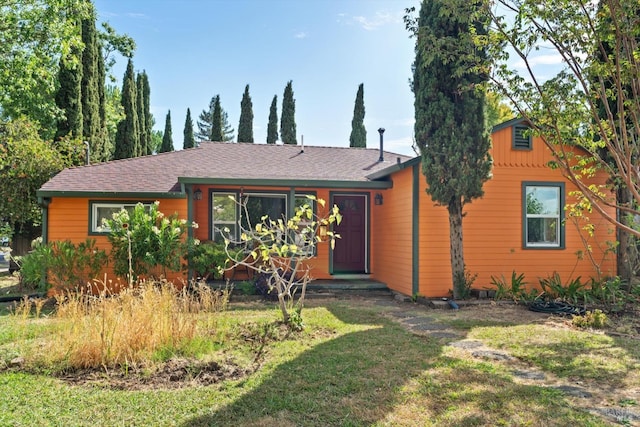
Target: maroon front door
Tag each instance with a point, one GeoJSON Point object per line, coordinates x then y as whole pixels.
{"type": "Point", "coordinates": [349, 255]}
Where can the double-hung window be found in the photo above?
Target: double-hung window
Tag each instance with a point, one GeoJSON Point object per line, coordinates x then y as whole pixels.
{"type": "Point", "coordinates": [543, 215]}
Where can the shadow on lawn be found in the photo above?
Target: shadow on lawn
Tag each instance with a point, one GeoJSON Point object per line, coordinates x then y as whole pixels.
{"type": "Point", "coordinates": [350, 380]}
{"type": "Point", "coordinates": [384, 374]}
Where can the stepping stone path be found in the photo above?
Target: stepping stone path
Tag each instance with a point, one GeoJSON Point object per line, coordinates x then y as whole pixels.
{"type": "Point", "coordinates": [417, 321]}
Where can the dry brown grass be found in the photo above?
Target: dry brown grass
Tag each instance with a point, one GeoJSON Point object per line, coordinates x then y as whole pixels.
{"type": "Point", "coordinates": [128, 328]}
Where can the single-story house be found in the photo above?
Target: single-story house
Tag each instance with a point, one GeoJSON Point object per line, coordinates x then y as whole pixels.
{"type": "Point", "coordinates": [392, 231]}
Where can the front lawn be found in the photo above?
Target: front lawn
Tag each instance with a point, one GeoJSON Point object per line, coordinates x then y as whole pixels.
{"type": "Point", "coordinates": [354, 364]}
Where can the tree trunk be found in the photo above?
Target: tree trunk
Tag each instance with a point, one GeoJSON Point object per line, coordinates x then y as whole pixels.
{"type": "Point", "coordinates": [455, 246]}
{"type": "Point", "coordinates": [627, 250]}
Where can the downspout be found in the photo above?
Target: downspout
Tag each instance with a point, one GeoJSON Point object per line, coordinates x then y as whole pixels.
{"type": "Point", "coordinates": [44, 204]}
{"type": "Point", "coordinates": [189, 192]}
{"type": "Point", "coordinates": [415, 231]}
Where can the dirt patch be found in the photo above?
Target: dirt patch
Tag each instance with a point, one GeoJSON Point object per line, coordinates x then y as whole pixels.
{"type": "Point", "coordinates": [173, 374]}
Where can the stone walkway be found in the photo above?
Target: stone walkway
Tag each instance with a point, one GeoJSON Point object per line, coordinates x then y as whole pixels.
{"type": "Point", "coordinates": [418, 321]}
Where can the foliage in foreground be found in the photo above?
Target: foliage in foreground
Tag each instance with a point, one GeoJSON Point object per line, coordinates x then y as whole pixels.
{"type": "Point", "coordinates": [277, 249]}
{"type": "Point", "coordinates": [67, 266]}
{"type": "Point", "coordinates": [128, 328]}
{"type": "Point", "coordinates": [351, 366]}
{"type": "Point", "coordinates": [145, 241]}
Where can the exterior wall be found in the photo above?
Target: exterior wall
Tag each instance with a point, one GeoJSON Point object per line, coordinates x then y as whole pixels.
{"type": "Point", "coordinates": [492, 228]}
{"type": "Point", "coordinates": [68, 219]}
{"type": "Point", "coordinates": [320, 264]}
{"type": "Point", "coordinates": [392, 235]}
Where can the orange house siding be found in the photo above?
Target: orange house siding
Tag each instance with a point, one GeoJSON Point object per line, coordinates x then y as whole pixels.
{"type": "Point", "coordinates": [68, 219]}
{"type": "Point", "coordinates": [392, 235]}
{"type": "Point", "coordinates": [492, 229]}
{"type": "Point", "coordinates": [320, 264]}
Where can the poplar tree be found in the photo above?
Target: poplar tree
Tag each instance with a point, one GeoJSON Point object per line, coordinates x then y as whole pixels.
{"type": "Point", "coordinates": [69, 97]}
{"type": "Point", "coordinates": [272, 127]}
{"type": "Point", "coordinates": [245, 127]}
{"type": "Point", "coordinates": [189, 140]}
{"type": "Point", "coordinates": [288, 120]}
{"type": "Point", "coordinates": [450, 128]}
{"type": "Point", "coordinates": [167, 139]}
{"type": "Point", "coordinates": [128, 135]}
{"type": "Point", "coordinates": [358, 136]}
{"type": "Point", "coordinates": [216, 121]}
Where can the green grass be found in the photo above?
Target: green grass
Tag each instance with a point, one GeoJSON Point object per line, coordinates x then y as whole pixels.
{"type": "Point", "coordinates": [351, 366]}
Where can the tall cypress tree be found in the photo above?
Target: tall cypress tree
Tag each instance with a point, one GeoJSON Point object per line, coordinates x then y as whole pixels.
{"type": "Point", "coordinates": [147, 144]}
{"type": "Point", "coordinates": [450, 125]}
{"type": "Point", "coordinates": [104, 147]}
{"type": "Point", "coordinates": [272, 127]}
{"type": "Point", "coordinates": [245, 127]}
{"type": "Point", "coordinates": [167, 138]}
{"type": "Point", "coordinates": [358, 136]}
{"type": "Point", "coordinates": [69, 97]}
{"type": "Point", "coordinates": [91, 126]}
{"type": "Point", "coordinates": [217, 133]}
{"type": "Point", "coordinates": [189, 140]}
{"type": "Point", "coordinates": [142, 116]}
{"type": "Point", "coordinates": [127, 135]}
{"type": "Point", "coordinates": [288, 119]}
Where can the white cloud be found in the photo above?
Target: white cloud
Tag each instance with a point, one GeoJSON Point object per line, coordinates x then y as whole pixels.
{"type": "Point", "coordinates": [370, 23]}
{"type": "Point", "coordinates": [300, 35]}
{"type": "Point", "coordinates": [137, 15]}
{"type": "Point", "coordinates": [551, 59]}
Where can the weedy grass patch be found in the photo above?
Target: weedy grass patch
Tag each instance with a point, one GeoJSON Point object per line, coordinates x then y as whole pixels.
{"type": "Point", "coordinates": [350, 366]}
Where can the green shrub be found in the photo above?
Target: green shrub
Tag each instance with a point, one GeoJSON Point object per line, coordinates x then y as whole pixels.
{"type": "Point", "coordinates": [515, 289]}
{"type": "Point", "coordinates": [66, 265]}
{"type": "Point", "coordinates": [246, 288]}
{"type": "Point", "coordinates": [591, 319]}
{"type": "Point", "coordinates": [463, 283]}
{"type": "Point", "coordinates": [554, 289]}
{"type": "Point", "coordinates": [144, 240]}
{"type": "Point", "coordinates": [207, 260]}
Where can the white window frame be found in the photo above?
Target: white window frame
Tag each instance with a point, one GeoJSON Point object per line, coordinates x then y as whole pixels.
{"type": "Point", "coordinates": [559, 217]}
{"type": "Point", "coordinates": [220, 225]}
{"type": "Point", "coordinates": [96, 223]}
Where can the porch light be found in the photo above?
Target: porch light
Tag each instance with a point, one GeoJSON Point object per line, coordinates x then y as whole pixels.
{"type": "Point", "coordinates": [322, 230]}
{"type": "Point", "coordinates": [378, 199]}
{"type": "Point", "coordinates": [197, 195]}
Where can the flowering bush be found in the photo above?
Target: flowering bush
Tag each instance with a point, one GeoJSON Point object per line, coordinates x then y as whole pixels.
{"type": "Point", "coordinates": [144, 240]}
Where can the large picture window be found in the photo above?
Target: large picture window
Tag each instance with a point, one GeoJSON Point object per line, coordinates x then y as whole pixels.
{"type": "Point", "coordinates": [226, 214]}
{"type": "Point", "coordinates": [543, 209]}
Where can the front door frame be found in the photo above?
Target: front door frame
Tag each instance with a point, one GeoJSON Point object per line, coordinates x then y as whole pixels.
{"type": "Point", "coordinates": [367, 226]}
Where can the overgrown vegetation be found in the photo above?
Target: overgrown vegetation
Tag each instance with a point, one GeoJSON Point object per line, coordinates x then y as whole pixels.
{"type": "Point", "coordinates": [62, 265]}
{"type": "Point", "coordinates": [146, 242]}
{"type": "Point", "coordinates": [278, 248]}
{"type": "Point", "coordinates": [607, 295]}
{"type": "Point", "coordinates": [351, 365]}
{"type": "Point", "coordinates": [152, 320]}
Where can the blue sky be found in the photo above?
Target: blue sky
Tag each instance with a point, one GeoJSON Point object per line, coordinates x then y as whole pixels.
{"type": "Point", "coordinates": [195, 49]}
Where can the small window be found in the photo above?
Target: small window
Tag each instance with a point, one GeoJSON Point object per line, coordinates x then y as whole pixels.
{"type": "Point", "coordinates": [543, 208]}
{"type": "Point", "coordinates": [522, 138]}
{"type": "Point", "coordinates": [105, 210]}
{"type": "Point", "coordinates": [224, 214]}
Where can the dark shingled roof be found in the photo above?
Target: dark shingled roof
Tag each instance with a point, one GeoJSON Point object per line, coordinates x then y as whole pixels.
{"type": "Point", "coordinates": [218, 160]}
